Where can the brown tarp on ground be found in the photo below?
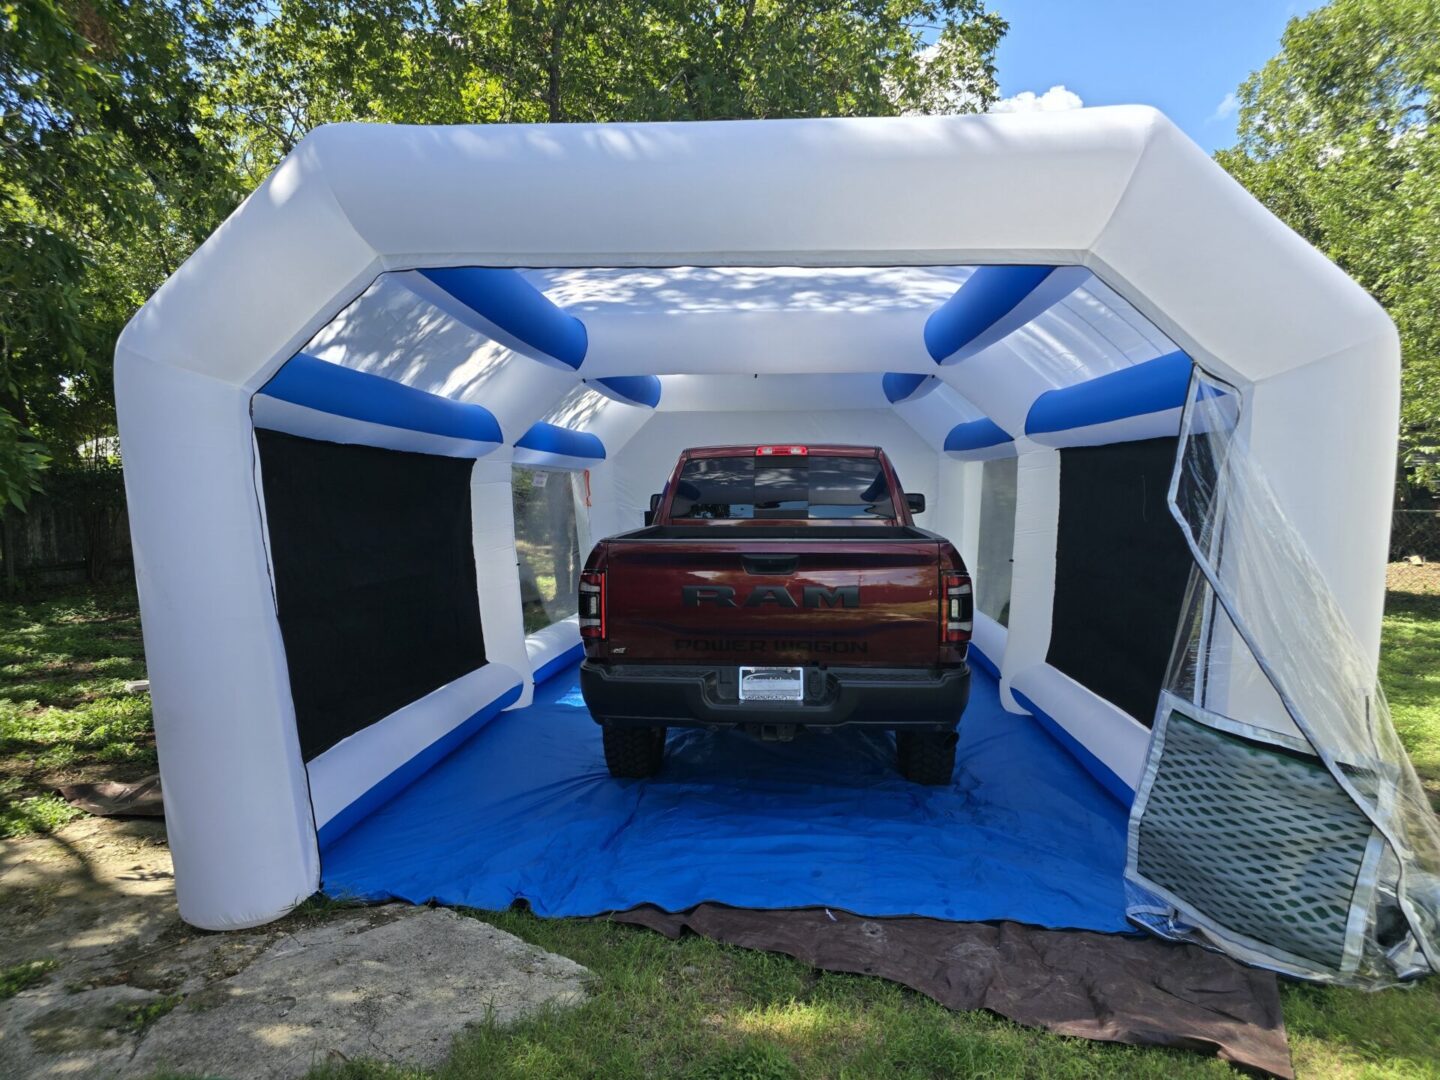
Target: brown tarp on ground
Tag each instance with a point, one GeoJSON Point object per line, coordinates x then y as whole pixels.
{"type": "Point", "coordinates": [1109, 987]}
{"type": "Point", "coordinates": [112, 799]}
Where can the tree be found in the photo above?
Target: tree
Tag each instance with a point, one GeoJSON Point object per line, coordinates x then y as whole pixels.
{"type": "Point", "coordinates": [130, 128]}
{"type": "Point", "coordinates": [521, 61]}
{"type": "Point", "coordinates": [1338, 135]}
{"type": "Point", "coordinates": [105, 187]}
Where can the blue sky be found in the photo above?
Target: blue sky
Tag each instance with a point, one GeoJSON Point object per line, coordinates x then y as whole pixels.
{"type": "Point", "coordinates": [1182, 56]}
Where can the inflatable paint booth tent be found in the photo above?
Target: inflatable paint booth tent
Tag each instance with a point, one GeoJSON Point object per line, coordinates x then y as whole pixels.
{"type": "Point", "coordinates": [375, 421]}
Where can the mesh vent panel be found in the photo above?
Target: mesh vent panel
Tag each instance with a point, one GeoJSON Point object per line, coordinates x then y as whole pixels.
{"type": "Point", "coordinates": [1262, 842]}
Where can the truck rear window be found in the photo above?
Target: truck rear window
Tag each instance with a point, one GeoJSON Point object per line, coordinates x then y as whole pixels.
{"type": "Point", "coordinates": [782, 488]}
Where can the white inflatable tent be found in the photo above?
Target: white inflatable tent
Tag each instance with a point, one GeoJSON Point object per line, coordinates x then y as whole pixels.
{"type": "Point", "coordinates": [1015, 307]}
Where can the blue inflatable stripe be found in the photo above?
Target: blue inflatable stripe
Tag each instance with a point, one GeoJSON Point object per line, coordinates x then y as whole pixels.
{"type": "Point", "coordinates": [407, 773]}
{"type": "Point", "coordinates": [1149, 387]}
{"type": "Point", "coordinates": [984, 662]}
{"type": "Point", "coordinates": [639, 389]}
{"type": "Point", "coordinates": [900, 386]}
{"type": "Point", "coordinates": [552, 439]}
{"type": "Point", "coordinates": [342, 391]}
{"type": "Point", "coordinates": [1106, 776]}
{"type": "Point", "coordinates": [566, 660]}
{"type": "Point", "coordinates": [986, 297]}
{"type": "Point", "coordinates": [976, 435]}
{"type": "Point", "coordinates": [505, 298]}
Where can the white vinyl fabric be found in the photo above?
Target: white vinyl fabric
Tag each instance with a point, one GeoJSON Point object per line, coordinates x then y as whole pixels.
{"type": "Point", "coordinates": [708, 283]}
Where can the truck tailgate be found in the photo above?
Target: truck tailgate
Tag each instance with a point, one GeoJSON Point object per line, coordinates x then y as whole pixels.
{"type": "Point", "coordinates": [748, 599]}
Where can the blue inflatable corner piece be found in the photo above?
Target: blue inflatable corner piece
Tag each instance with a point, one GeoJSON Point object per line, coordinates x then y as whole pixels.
{"type": "Point", "coordinates": [636, 389]}
{"type": "Point", "coordinates": [976, 435]}
{"type": "Point", "coordinates": [900, 386]}
{"type": "Point", "coordinates": [503, 297]}
{"type": "Point", "coordinates": [1149, 387]}
{"type": "Point", "coordinates": [552, 439]}
{"type": "Point", "coordinates": [358, 395]}
{"type": "Point", "coordinates": [986, 297]}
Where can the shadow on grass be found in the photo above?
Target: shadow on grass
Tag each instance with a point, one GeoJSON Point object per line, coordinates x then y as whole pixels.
{"type": "Point", "coordinates": [65, 713]}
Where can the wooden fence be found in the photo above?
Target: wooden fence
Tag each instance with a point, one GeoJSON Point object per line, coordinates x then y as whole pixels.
{"type": "Point", "coordinates": [75, 532]}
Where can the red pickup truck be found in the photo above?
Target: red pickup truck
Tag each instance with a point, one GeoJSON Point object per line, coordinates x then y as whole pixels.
{"type": "Point", "coordinates": [777, 589]}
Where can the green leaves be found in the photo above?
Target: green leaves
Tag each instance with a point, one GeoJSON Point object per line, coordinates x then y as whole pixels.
{"type": "Point", "coordinates": [130, 128]}
{"type": "Point", "coordinates": [105, 188]}
{"type": "Point", "coordinates": [22, 460]}
{"type": "Point", "coordinates": [1338, 135]}
{"type": "Point", "coordinates": [522, 61]}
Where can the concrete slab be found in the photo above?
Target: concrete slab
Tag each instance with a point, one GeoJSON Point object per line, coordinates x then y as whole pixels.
{"type": "Point", "coordinates": [132, 990]}
{"type": "Point", "coordinates": [394, 984]}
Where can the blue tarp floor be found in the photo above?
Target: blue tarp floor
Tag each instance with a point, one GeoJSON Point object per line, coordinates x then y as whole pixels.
{"type": "Point", "coordinates": [526, 811]}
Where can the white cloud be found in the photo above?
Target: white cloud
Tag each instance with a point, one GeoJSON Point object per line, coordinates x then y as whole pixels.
{"type": "Point", "coordinates": [1229, 106]}
{"type": "Point", "coordinates": [1056, 99]}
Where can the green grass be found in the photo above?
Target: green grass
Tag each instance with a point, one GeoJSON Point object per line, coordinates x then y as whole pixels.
{"type": "Point", "coordinates": [1410, 673]}
{"type": "Point", "coordinates": [64, 712]}
{"type": "Point", "coordinates": [140, 1018]}
{"type": "Point", "coordinates": [694, 1008]}
{"type": "Point", "coordinates": [23, 976]}
{"type": "Point", "coordinates": [35, 814]}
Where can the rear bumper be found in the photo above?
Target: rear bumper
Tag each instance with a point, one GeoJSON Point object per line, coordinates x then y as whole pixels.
{"type": "Point", "coordinates": [908, 699]}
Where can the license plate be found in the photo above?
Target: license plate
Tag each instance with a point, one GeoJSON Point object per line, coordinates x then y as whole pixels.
{"type": "Point", "coordinates": [772, 684]}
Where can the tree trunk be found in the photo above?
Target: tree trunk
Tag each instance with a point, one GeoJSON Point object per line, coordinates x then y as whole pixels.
{"type": "Point", "coordinates": [553, 66]}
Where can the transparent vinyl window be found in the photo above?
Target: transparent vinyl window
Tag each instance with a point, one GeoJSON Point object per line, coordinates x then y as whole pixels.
{"type": "Point", "coordinates": [547, 546]}
{"type": "Point", "coordinates": [996, 557]}
{"type": "Point", "coordinates": [1279, 816]}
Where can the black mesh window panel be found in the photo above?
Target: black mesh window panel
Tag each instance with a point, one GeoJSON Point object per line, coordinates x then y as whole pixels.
{"type": "Point", "coordinates": [374, 578]}
{"type": "Point", "coordinates": [1121, 566]}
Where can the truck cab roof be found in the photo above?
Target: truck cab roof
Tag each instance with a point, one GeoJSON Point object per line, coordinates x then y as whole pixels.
{"type": "Point", "coordinates": [779, 450]}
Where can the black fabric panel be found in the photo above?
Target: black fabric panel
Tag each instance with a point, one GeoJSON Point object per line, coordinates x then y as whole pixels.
{"type": "Point", "coordinates": [374, 578]}
{"type": "Point", "coordinates": [1121, 566]}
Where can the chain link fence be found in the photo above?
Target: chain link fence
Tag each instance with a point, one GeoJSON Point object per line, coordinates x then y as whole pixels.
{"type": "Point", "coordinates": [1415, 552]}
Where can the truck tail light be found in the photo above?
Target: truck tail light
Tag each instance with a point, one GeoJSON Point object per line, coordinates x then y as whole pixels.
{"type": "Point", "coordinates": [781, 451]}
{"type": "Point", "coordinates": [592, 606]}
{"type": "Point", "coordinates": [957, 607]}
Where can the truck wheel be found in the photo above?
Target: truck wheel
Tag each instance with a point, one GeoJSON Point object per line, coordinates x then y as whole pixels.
{"type": "Point", "coordinates": [633, 752]}
{"type": "Point", "coordinates": [926, 757]}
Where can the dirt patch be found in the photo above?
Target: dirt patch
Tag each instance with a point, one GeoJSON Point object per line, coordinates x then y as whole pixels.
{"type": "Point", "coordinates": [1417, 578]}
{"type": "Point", "coordinates": [128, 989]}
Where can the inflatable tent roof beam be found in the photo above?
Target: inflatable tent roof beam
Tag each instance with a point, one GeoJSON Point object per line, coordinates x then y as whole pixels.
{"type": "Point", "coordinates": [900, 386]}
{"type": "Point", "coordinates": [630, 389]}
{"type": "Point", "coordinates": [973, 435]}
{"type": "Point", "coordinates": [515, 313]}
{"type": "Point", "coordinates": [552, 444]}
{"type": "Point", "coordinates": [992, 303]}
{"type": "Point", "coordinates": [317, 399]}
{"type": "Point", "coordinates": [1153, 386]}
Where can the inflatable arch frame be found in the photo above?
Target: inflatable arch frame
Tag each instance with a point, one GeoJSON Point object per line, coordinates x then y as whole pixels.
{"type": "Point", "coordinates": [502, 229]}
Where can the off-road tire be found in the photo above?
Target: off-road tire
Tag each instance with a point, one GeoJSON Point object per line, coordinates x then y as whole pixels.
{"type": "Point", "coordinates": [926, 757]}
{"type": "Point", "coordinates": [633, 753]}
